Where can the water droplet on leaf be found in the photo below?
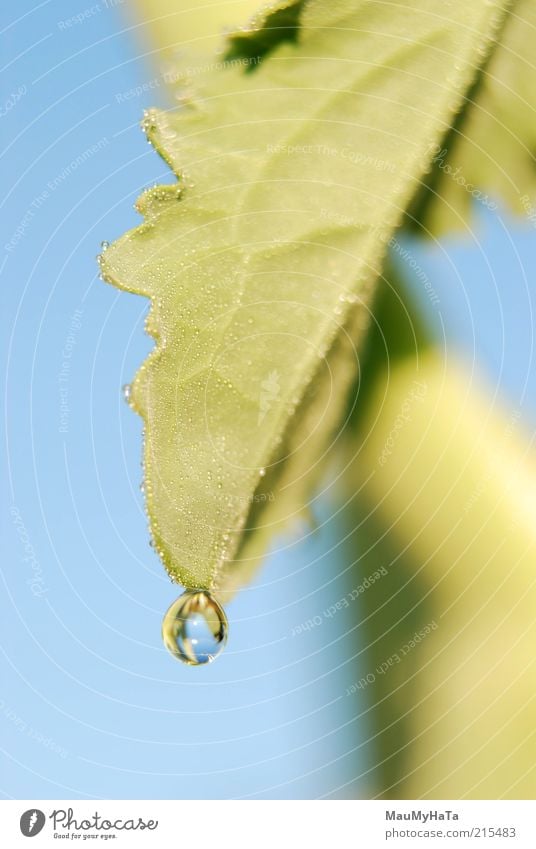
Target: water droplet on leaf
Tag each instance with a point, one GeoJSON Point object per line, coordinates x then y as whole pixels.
{"type": "Point", "coordinates": [195, 627]}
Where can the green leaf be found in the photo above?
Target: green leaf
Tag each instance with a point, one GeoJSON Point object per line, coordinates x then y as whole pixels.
{"type": "Point", "coordinates": [261, 262]}
{"type": "Point", "coordinates": [489, 154]}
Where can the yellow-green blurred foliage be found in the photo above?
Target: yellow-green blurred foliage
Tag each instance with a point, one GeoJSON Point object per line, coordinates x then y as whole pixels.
{"type": "Point", "coordinates": [451, 485]}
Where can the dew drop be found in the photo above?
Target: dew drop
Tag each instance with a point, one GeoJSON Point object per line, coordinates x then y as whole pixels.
{"type": "Point", "coordinates": [195, 627]}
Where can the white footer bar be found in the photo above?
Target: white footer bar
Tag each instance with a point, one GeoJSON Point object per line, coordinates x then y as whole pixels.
{"type": "Point", "coordinates": [269, 824]}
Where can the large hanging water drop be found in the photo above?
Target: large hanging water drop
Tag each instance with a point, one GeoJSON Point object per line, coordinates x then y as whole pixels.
{"type": "Point", "coordinates": [195, 628]}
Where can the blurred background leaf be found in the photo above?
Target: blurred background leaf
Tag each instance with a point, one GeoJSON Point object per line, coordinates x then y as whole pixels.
{"type": "Point", "coordinates": [441, 483]}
